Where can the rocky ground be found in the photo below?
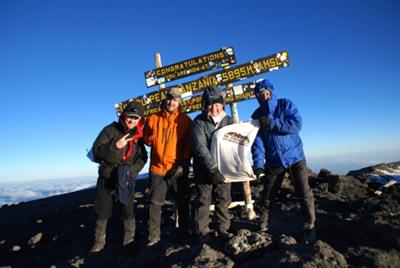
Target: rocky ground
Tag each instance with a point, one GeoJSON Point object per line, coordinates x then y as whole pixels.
{"type": "Point", "coordinates": [355, 228]}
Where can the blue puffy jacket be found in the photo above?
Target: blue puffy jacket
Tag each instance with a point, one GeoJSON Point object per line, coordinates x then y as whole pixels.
{"type": "Point", "coordinates": [281, 146]}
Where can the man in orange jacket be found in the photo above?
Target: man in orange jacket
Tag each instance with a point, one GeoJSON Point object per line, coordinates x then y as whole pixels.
{"type": "Point", "coordinates": [168, 134]}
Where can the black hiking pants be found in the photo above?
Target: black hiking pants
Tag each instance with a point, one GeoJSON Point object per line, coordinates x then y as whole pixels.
{"type": "Point", "coordinates": [272, 183]}
{"type": "Point", "coordinates": [222, 199]}
{"type": "Point", "coordinates": [104, 200]}
{"type": "Point", "coordinates": [179, 188]}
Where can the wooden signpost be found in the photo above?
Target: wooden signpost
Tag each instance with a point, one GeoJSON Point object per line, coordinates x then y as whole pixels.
{"type": "Point", "coordinates": [210, 61]}
{"type": "Point", "coordinates": [152, 100]}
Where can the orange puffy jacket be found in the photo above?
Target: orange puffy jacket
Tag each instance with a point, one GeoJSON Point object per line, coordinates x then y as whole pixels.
{"type": "Point", "coordinates": [168, 135]}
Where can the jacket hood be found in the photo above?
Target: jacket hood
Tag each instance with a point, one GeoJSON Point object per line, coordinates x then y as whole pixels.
{"type": "Point", "coordinates": [266, 106]}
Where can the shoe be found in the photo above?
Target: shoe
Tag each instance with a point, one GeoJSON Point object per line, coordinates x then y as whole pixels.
{"type": "Point", "coordinates": [99, 244]}
{"type": "Point", "coordinates": [153, 242]}
{"type": "Point", "coordinates": [308, 225]}
{"type": "Point", "coordinates": [99, 236]}
{"type": "Point", "coordinates": [129, 232]}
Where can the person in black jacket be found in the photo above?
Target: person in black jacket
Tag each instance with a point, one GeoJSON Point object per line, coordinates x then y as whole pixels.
{"type": "Point", "coordinates": [208, 178]}
{"type": "Point", "coordinates": [120, 152]}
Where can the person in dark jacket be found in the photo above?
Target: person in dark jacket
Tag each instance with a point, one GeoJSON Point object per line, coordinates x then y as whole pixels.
{"type": "Point", "coordinates": [278, 149]}
{"type": "Point", "coordinates": [209, 180]}
{"type": "Point", "coordinates": [120, 152]}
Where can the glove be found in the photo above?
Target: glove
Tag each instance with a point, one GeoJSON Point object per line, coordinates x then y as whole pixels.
{"type": "Point", "coordinates": [259, 172]}
{"type": "Point", "coordinates": [264, 122]}
{"type": "Point", "coordinates": [217, 177]}
{"type": "Point", "coordinates": [173, 175]}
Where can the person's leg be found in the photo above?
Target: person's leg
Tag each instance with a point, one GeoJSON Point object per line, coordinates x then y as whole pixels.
{"type": "Point", "coordinates": [272, 183]}
{"type": "Point", "coordinates": [299, 173]}
{"type": "Point", "coordinates": [128, 214]}
{"type": "Point", "coordinates": [103, 208]}
{"type": "Point", "coordinates": [158, 191]}
{"type": "Point", "coordinates": [181, 195]}
{"type": "Point", "coordinates": [222, 202]}
{"type": "Point", "coordinates": [202, 217]}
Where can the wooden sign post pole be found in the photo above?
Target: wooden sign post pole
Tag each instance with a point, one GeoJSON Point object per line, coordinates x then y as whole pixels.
{"type": "Point", "coordinates": [246, 184]}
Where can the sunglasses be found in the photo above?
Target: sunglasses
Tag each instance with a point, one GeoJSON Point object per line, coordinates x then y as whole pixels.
{"type": "Point", "coordinates": [134, 117]}
{"type": "Point", "coordinates": [262, 90]}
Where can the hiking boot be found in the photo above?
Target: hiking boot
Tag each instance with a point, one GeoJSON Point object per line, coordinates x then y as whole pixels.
{"type": "Point", "coordinates": [153, 241]}
{"type": "Point", "coordinates": [129, 231]}
{"type": "Point", "coordinates": [308, 208]}
{"type": "Point", "coordinates": [308, 225]}
{"type": "Point", "coordinates": [99, 236]}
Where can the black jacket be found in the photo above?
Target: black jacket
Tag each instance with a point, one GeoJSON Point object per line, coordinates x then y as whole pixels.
{"type": "Point", "coordinates": [202, 129]}
{"type": "Point", "coordinates": [109, 157]}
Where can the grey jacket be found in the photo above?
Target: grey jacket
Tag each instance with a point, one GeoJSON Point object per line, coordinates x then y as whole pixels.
{"type": "Point", "coordinates": [202, 129]}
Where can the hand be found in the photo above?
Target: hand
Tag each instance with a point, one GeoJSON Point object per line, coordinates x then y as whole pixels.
{"type": "Point", "coordinates": [259, 172]}
{"type": "Point", "coordinates": [176, 172]}
{"type": "Point", "coordinates": [264, 122]}
{"type": "Point", "coordinates": [122, 142]}
{"type": "Point", "coordinates": [217, 177]}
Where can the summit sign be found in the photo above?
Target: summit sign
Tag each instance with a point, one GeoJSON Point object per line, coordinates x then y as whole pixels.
{"type": "Point", "coordinates": [221, 58]}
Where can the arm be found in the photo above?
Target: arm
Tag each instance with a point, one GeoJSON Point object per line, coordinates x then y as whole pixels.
{"type": "Point", "coordinates": [105, 150]}
{"type": "Point", "coordinates": [199, 147]}
{"type": "Point", "coordinates": [290, 122]}
{"type": "Point", "coordinates": [258, 151]}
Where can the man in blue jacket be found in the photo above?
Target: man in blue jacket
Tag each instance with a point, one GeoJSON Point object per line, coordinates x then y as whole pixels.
{"type": "Point", "coordinates": [278, 149]}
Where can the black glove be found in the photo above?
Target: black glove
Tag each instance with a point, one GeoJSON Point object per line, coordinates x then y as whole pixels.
{"type": "Point", "coordinates": [217, 177]}
{"type": "Point", "coordinates": [174, 174]}
{"type": "Point", "coordinates": [264, 122]}
{"type": "Point", "coordinates": [259, 172]}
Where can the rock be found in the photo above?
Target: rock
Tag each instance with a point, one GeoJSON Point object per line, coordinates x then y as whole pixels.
{"type": "Point", "coordinates": [76, 261]}
{"type": "Point", "coordinates": [15, 248]}
{"type": "Point", "coordinates": [247, 242]}
{"type": "Point", "coordinates": [284, 241]}
{"type": "Point", "coordinates": [35, 239]}
{"type": "Point", "coordinates": [323, 255]}
{"type": "Point", "coordinates": [300, 255]}
{"type": "Point", "coordinates": [324, 173]}
{"type": "Point", "coordinates": [86, 205]}
{"type": "Point", "coordinates": [372, 257]}
{"type": "Point", "coordinates": [174, 250]}
{"type": "Point", "coordinates": [209, 257]}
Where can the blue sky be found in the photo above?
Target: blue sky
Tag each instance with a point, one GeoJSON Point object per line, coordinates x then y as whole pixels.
{"type": "Point", "coordinates": [63, 65]}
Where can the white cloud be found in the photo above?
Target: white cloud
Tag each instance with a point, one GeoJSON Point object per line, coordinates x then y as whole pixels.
{"type": "Point", "coordinates": [15, 192]}
{"type": "Point", "coordinates": [22, 191]}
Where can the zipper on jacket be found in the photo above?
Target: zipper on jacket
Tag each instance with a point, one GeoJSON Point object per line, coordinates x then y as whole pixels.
{"type": "Point", "coordinates": [166, 140]}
